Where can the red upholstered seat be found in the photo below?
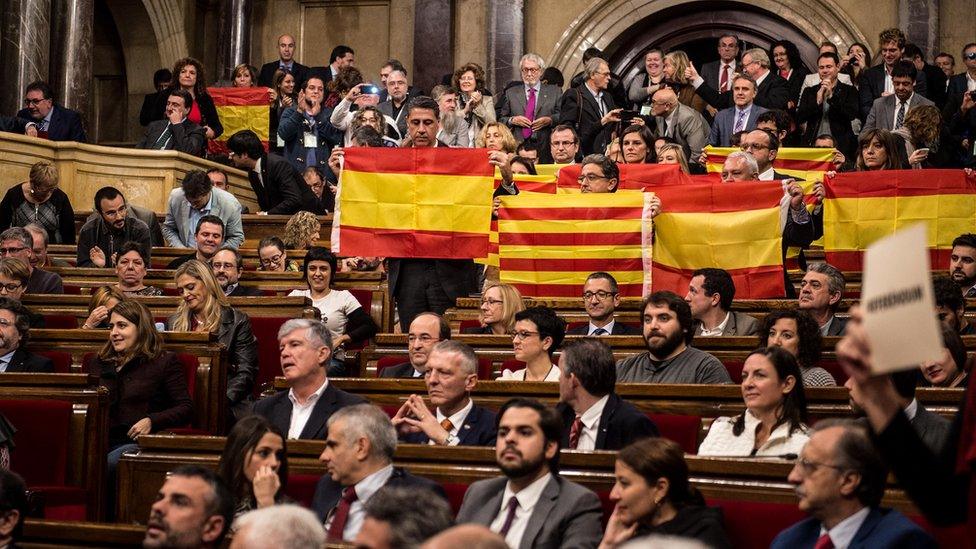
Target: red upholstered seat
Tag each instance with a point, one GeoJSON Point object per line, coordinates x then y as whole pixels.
{"type": "Point", "coordinates": [385, 362]}
{"type": "Point", "coordinates": [390, 410]}
{"type": "Point", "coordinates": [455, 494]}
{"type": "Point", "coordinates": [301, 488]}
{"type": "Point", "coordinates": [743, 524]}
{"type": "Point", "coordinates": [573, 325]}
{"type": "Point", "coordinates": [61, 360]}
{"type": "Point", "coordinates": [60, 322]}
{"type": "Point", "coordinates": [734, 367]}
{"type": "Point", "coordinates": [946, 537]}
{"type": "Point", "coordinates": [190, 364]}
{"type": "Point", "coordinates": [682, 429]}
{"type": "Point", "coordinates": [167, 290]}
{"type": "Point", "coordinates": [485, 369]}
{"type": "Point", "coordinates": [365, 298]}
{"type": "Point", "coordinates": [72, 289]}
{"type": "Point", "coordinates": [269, 357]}
{"type": "Point", "coordinates": [835, 370]}
{"type": "Point", "coordinates": [468, 324]}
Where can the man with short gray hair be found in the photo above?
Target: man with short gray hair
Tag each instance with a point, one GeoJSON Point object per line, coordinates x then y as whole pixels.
{"type": "Point", "coordinates": [590, 108]}
{"type": "Point", "coordinates": [18, 242]}
{"type": "Point", "coordinates": [530, 109]}
{"type": "Point", "coordinates": [281, 526]}
{"type": "Point", "coordinates": [303, 410]}
{"type": "Point", "coordinates": [395, 521]}
{"type": "Point", "coordinates": [821, 290]}
{"type": "Point", "coordinates": [358, 458]}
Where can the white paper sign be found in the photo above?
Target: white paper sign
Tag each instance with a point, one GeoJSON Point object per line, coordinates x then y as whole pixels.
{"type": "Point", "coordinates": [896, 296]}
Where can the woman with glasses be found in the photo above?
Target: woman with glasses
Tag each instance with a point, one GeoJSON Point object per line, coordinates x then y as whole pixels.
{"type": "Point", "coordinates": [499, 303]}
{"type": "Point", "coordinates": [205, 308]}
{"type": "Point", "coordinates": [130, 267]}
{"type": "Point", "coordinates": [346, 319]}
{"type": "Point", "coordinates": [14, 275]}
{"type": "Point", "coordinates": [776, 410]}
{"type": "Point", "coordinates": [538, 333]}
{"type": "Point", "coordinates": [39, 200]}
{"type": "Point", "coordinates": [273, 257]}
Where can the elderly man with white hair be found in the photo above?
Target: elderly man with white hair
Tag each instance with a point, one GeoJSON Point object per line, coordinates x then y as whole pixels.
{"type": "Point", "coordinates": [281, 526]}
{"type": "Point", "coordinates": [530, 109]}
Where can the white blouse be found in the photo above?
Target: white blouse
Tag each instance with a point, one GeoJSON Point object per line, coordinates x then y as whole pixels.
{"type": "Point", "coordinates": [720, 440]}
{"type": "Point", "coordinates": [519, 375]}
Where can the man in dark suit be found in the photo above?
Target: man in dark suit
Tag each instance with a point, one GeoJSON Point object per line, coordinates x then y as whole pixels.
{"type": "Point", "coordinates": [772, 91]}
{"type": "Point", "coordinates": [286, 61]}
{"type": "Point", "coordinates": [589, 109]}
{"type": "Point", "coordinates": [821, 290]}
{"type": "Point", "coordinates": [888, 112]}
{"type": "Point", "coordinates": [452, 373]}
{"type": "Point", "coordinates": [933, 429]}
{"type": "Point", "coordinates": [53, 121]}
{"type": "Point", "coordinates": [877, 81]}
{"type": "Point", "coordinates": [741, 116]}
{"type": "Point", "coordinates": [420, 284]}
{"type": "Point", "coordinates": [935, 80]}
{"type": "Point", "coordinates": [227, 265]}
{"type": "Point", "coordinates": [340, 58]}
{"type": "Point", "coordinates": [829, 108]}
{"type": "Point", "coordinates": [13, 124]}
{"type": "Point", "coordinates": [425, 331]}
{"type": "Point", "coordinates": [563, 513]}
{"type": "Point", "coordinates": [537, 121]}
{"type": "Point", "coordinates": [840, 480]}
{"type": "Point", "coordinates": [161, 80]}
{"type": "Point", "coordinates": [306, 131]}
{"type": "Point", "coordinates": [710, 295]}
{"type": "Point", "coordinates": [279, 187]}
{"type": "Point", "coordinates": [395, 104]}
{"type": "Point", "coordinates": [14, 329]}
{"type": "Point", "coordinates": [303, 410]}
{"type": "Point", "coordinates": [601, 297]}
{"type": "Point", "coordinates": [358, 458]}
{"type": "Point", "coordinates": [615, 86]}
{"type": "Point", "coordinates": [176, 132]}
{"type": "Point", "coordinates": [594, 417]}
{"type": "Point", "coordinates": [964, 81]}
{"type": "Point", "coordinates": [719, 74]}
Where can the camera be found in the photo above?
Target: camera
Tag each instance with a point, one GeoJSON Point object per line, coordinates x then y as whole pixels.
{"type": "Point", "coordinates": [854, 62]}
{"type": "Point", "coordinates": [371, 89]}
{"type": "Point", "coordinates": [972, 95]}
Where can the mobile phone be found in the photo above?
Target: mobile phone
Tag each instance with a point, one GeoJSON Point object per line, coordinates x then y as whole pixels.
{"type": "Point", "coordinates": [972, 95]}
{"type": "Point", "coordinates": [923, 150]}
{"type": "Point", "coordinates": [626, 115]}
{"type": "Point", "coordinates": [371, 89]}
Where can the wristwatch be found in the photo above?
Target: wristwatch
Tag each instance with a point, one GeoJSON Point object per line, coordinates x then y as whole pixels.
{"type": "Point", "coordinates": [449, 441]}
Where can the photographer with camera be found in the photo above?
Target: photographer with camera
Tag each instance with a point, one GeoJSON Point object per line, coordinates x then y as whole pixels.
{"type": "Point", "coordinates": [306, 130]}
{"type": "Point", "coordinates": [361, 95]}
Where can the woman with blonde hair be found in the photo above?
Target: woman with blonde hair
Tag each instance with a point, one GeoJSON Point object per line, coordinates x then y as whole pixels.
{"type": "Point", "coordinates": [301, 231]}
{"type": "Point", "coordinates": [675, 63]}
{"type": "Point", "coordinates": [244, 76]}
{"type": "Point", "coordinates": [496, 136]}
{"type": "Point", "coordinates": [100, 305]}
{"type": "Point", "coordinates": [39, 200]}
{"type": "Point", "coordinates": [925, 138]}
{"type": "Point", "coordinates": [672, 153]}
{"type": "Point", "coordinates": [499, 303]}
{"type": "Point", "coordinates": [205, 308]}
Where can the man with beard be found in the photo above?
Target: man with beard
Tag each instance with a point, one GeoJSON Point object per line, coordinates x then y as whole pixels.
{"type": "Point", "coordinates": [454, 128]}
{"type": "Point", "coordinates": [670, 358]}
{"type": "Point", "coordinates": [104, 233]}
{"type": "Point", "coordinates": [209, 237]}
{"type": "Point", "coordinates": [962, 263]}
{"type": "Point", "coordinates": [933, 429]}
{"type": "Point", "coordinates": [194, 508]}
{"type": "Point", "coordinates": [532, 506]}
{"type": "Point", "coordinates": [600, 299]}
{"type": "Point", "coordinates": [358, 458]}
{"type": "Point", "coordinates": [425, 331]}
{"type": "Point", "coordinates": [227, 265]}
{"type": "Point", "coordinates": [950, 307]}
{"type": "Point", "coordinates": [14, 330]}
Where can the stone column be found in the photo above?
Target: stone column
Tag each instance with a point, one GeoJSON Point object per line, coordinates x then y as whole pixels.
{"type": "Point", "coordinates": [920, 21]}
{"type": "Point", "coordinates": [71, 54]}
{"type": "Point", "coordinates": [234, 44]}
{"type": "Point", "coordinates": [433, 47]}
{"type": "Point", "coordinates": [24, 49]}
{"type": "Point", "coordinates": [506, 39]}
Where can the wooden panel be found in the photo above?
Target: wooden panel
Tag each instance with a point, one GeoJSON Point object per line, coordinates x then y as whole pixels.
{"type": "Point", "coordinates": [77, 305]}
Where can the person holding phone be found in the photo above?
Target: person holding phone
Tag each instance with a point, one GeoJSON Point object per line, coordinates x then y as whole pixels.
{"type": "Point", "coordinates": [364, 94]}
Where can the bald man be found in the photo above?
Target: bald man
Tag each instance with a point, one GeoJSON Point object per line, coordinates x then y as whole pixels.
{"type": "Point", "coordinates": [286, 62]}
{"type": "Point", "coordinates": [679, 122]}
{"type": "Point", "coordinates": [471, 536]}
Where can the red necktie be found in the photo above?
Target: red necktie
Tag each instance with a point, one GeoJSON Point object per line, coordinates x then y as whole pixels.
{"type": "Point", "coordinates": [342, 514]}
{"type": "Point", "coordinates": [574, 433]}
{"type": "Point", "coordinates": [824, 542]}
{"type": "Point", "coordinates": [723, 83]}
{"type": "Point", "coordinates": [529, 112]}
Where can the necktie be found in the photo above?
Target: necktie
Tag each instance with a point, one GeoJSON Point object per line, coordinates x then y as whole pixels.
{"type": "Point", "coordinates": [723, 83]}
{"type": "Point", "coordinates": [574, 432]}
{"type": "Point", "coordinates": [900, 117]}
{"type": "Point", "coordinates": [824, 542]}
{"type": "Point", "coordinates": [529, 113]}
{"type": "Point", "coordinates": [599, 332]}
{"type": "Point", "coordinates": [971, 292]}
{"type": "Point", "coordinates": [740, 122]}
{"type": "Point", "coordinates": [163, 138]}
{"type": "Point", "coordinates": [510, 517]}
{"type": "Point", "coordinates": [342, 513]}
{"type": "Point", "coordinates": [447, 425]}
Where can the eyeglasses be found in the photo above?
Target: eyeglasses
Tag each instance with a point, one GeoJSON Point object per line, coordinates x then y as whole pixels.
{"type": "Point", "coordinates": [530, 69]}
{"type": "Point", "coordinates": [589, 178]}
{"type": "Point", "coordinates": [809, 467]}
{"type": "Point", "coordinates": [223, 266]}
{"type": "Point", "coordinates": [425, 339]}
{"type": "Point", "coordinates": [971, 56]}
{"type": "Point", "coordinates": [273, 260]}
{"type": "Point", "coordinates": [30, 102]}
{"type": "Point", "coordinates": [12, 251]}
{"type": "Point", "coordinates": [599, 294]}
{"type": "Point", "coordinates": [753, 146]}
{"type": "Point", "coordinates": [12, 287]}
{"type": "Point", "coordinates": [522, 336]}
{"type": "Point", "coordinates": [491, 302]}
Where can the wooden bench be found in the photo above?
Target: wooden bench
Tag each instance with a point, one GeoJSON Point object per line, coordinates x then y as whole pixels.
{"type": "Point", "coordinates": [51, 534]}
{"type": "Point", "coordinates": [84, 449]}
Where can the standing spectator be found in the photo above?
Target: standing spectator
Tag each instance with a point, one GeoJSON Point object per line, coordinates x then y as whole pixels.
{"type": "Point", "coordinates": [110, 227]}
{"type": "Point", "coordinates": [474, 101]}
{"type": "Point", "coordinates": [195, 198]}
{"type": "Point", "coordinates": [947, 63]}
{"type": "Point", "coordinates": [175, 132]}
{"type": "Point", "coordinates": [936, 81]}
{"type": "Point", "coordinates": [643, 86]}
{"type": "Point", "coordinates": [161, 80]}
{"type": "Point", "coordinates": [53, 121]}
{"type": "Point", "coordinates": [888, 111]}
{"type": "Point", "coordinates": [340, 58]}
{"type": "Point", "coordinates": [739, 117]}
{"type": "Point", "coordinates": [853, 65]}
{"type": "Point", "coordinates": [676, 121]}
{"type": "Point", "coordinates": [283, 96]}
{"type": "Point", "coordinates": [306, 130]}
{"type": "Point", "coordinates": [18, 243]}
{"type": "Point", "coordinates": [188, 75]}
{"type": "Point", "coordinates": [615, 86]}
{"type": "Point", "coordinates": [879, 80]}
{"type": "Point", "coordinates": [244, 76]}
{"type": "Point", "coordinates": [395, 104]}
{"type": "Point", "coordinates": [965, 81]}
{"type": "Point", "coordinates": [829, 109]}
{"type": "Point", "coordinates": [286, 62]}
{"type": "Point", "coordinates": [358, 96]}
{"type": "Point", "coordinates": [39, 200]}
{"type": "Point", "coordinates": [344, 82]}
{"type": "Point", "coordinates": [926, 138]}
{"type": "Point", "coordinates": [530, 110]}
{"type": "Point", "coordinates": [454, 128]}
{"type": "Point", "coordinates": [719, 74]}
{"type": "Point", "coordinates": [277, 184]}
{"type": "Point", "coordinates": [589, 109]}
{"type": "Point", "coordinates": [676, 65]}
{"type": "Point", "coordinates": [789, 65]}
{"type": "Point", "coordinates": [388, 67]}
{"type": "Point", "coordinates": [771, 89]}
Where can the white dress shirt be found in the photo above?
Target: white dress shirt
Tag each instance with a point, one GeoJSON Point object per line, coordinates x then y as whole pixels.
{"type": "Point", "coordinates": [5, 360]}
{"type": "Point", "coordinates": [910, 410]}
{"type": "Point", "coordinates": [301, 412]}
{"type": "Point", "coordinates": [457, 419]}
{"type": "Point", "coordinates": [761, 79]}
{"type": "Point", "coordinates": [357, 511]}
{"type": "Point", "coordinates": [527, 498]}
{"type": "Point", "coordinates": [970, 82]}
{"type": "Point", "coordinates": [609, 328]}
{"type": "Point", "coordinates": [889, 83]}
{"type": "Point", "coordinates": [898, 103]}
{"type": "Point", "coordinates": [598, 95]}
{"type": "Point", "coordinates": [843, 533]}
{"type": "Point", "coordinates": [717, 331]}
{"type": "Point", "coordinates": [591, 424]}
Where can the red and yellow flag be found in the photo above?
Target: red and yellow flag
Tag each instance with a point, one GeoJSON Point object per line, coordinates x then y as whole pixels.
{"type": "Point", "coordinates": [731, 226]}
{"type": "Point", "coordinates": [549, 244]}
{"type": "Point", "coordinates": [862, 207]}
{"type": "Point", "coordinates": [240, 109]}
{"type": "Point", "coordinates": [806, 163]}
{"type": "Point", "coordinates": [633, 177]}
{"type": "Point", "coordinates": [414, 202]}
{"type": "Point", "coordinates": [526, 183]}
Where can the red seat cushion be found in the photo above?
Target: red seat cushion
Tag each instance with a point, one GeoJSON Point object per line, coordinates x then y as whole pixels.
{"type": "Point", "coordinates": [734, 367]}
{"type": "Point", "coordinates": [954, 536]}
{"type": "Point", "coordinates": [680, 428]}
{"type": "Point", "coordinates": [835, 370]}
{"type": "Point", "coordinates": [61, 360]}
{"type": "Point", "coordinates": [574, 325]}
{"type": "Point", "coordinates": [72, 289]}
{"type": "Point", "coordinates": [385, 362]}
{"type": "Point", "coordinates": [39, 423]}
{"type": "Point", "coordinates": [455, 494]}
{"type": "Point", "coordinates": [63, 502]}
{"type": "Point", "coordinates": [365, 298]}
{"type": "Point", "coordinates": [485, 368]}
{"type": "Point", "coordinates": [468, 324]}
{"type": "Point", "coordinates": [60, 322]}
{"type": "Point", "coordinates": [190, 363]}
{"type": "Point", "coordinates": [301, 488]}
{"type": "Point", "coordinates": [269, 356]}
{"type": "Point", "coordinates": [745, 530]}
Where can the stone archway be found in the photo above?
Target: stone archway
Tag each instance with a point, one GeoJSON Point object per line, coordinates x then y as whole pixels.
{"type": "Point", "coordinates": [604, 21]}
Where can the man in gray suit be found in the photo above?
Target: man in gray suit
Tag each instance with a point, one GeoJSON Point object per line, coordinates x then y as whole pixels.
{"type": "Point", "coordinates": [542, 98]}
{"type": "Point", "coordinates": [741, 116]}
{"type": "Point", "coordinates": [683, 124]}
{"type": "Point", "coordinates": [710, 294]}
{"type": "Point", "coordinates": [554, 511]}
{"type": "Point", "coordinates": [888, 111]}
{"type": "Point", "coordinates": [196, 198]}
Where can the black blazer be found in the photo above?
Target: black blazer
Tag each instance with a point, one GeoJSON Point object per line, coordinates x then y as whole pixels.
{"type": "Point", "coordinates": [13, 124]}
{"type": "Point", "coordinates": [277, 409]}
{"type": "Point", "coordinates": [245, 291]}
{"type": "Point", "coordinates": [29, 363]}
{"type": "Point", "coordinates": [187, 137]}
{"type": "Point", "coordinates": [872, 86]}
{"type": "Point", "coordinates": [208, 112]}
{"type": "Point", "coordinates": [458, 277]}
{"type": "Point", "coordinates": [773, 93]}
{"type": "Point", "coordinates": [65, 124]}
{"type": "Point", "coordinates": [620, 424]}
{"type": "Point", "coordinates": [795, 82]}
{"type": "Point", "coordinates": [328, 491]}
{"type": "Point", "coordinates": [266, 76]}
{"type": "Point", "coordinates": [843, 108]}
{"type": "Point", "coordinates": [478, 429]}
{"type": "Point", "coordinates": [283, 191]}
{"type": "Point", "coordinates": [404, 370]}
{"type": "Point", "coordinates": [618, 329]}
{"type": "Point", "coordinates": [579, 108]}
{"type": "Point", "coordinates": [236, 335]}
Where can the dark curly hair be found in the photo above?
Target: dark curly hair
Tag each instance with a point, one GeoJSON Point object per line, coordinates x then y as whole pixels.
{"type": "Point", "coordinates": [811, 341]}
{"type": "Point", "coordinates": [479, 75]}
{"type": "Point", "coordinates": [200, 88]}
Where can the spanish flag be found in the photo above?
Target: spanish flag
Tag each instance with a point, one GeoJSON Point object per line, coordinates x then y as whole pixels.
{"type": "Point", "coordinates": [549, 244]}
{"type": "Point", "coordinates": [633, 177]}
{"type": "Point", "coordinates": [240, 109]}
{"type": "Point", "coordinates": [731, 226]}
{"type": "Point", "coordinates": [862, 207]}
{"type": "Point", "coordinates": [526, 183]}
{"type": "Point", "coordinates": [432, 202]}
{"type": "Point", "coordinates": [806, 164]}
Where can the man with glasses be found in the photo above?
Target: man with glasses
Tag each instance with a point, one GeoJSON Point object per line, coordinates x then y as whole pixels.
{"type": "Point", "coordinates": [563, 144]}
{"type": "Point", "coordinates": [590, 109]}
{"type": "Point", "coordinates": [680, 123]}
{"type": "Point", "coordinates": [53, 121]}
{"type": "Point", "coordinates": [227, 265]}
{"type": "Point", "coordinates": [600, 299]}
{"type": "Point", "coordinates": [195, 198]}
{"type": "Point", "coordinates": [530, 109]}
{"type": "Point", "coordinates": [425, 331]}
{"type": "Point", "coordinates": [108, 228]}
{"type": "Point", "coordinates": [18, 243]}
{"type": "Point", "coordinates": [599, 174]}
{"type": "Point", "coordinates": [840, 479]}
{"type": "Point", "coordinates": [209, 238]}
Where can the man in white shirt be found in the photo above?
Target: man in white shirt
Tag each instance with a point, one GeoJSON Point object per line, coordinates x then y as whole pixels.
{"type": "Point", "coordinates": [358, 458]}
{"type": "Point", "coordinates": [452, 373]}
{"type": "Point", "coordinates": [840, 480]}
{"type": "Point", "coordinates": [710, 295]}
{"type": "Point", "coordinates": [594, 417]}
{"type": "Point", "coordinates": [532, 506]}
{"type": "Point", "coordinates": [601, 297]}
{"type": "Point", "coordinates": [303, 410]}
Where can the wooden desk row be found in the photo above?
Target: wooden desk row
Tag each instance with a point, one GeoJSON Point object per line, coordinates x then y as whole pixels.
{"type": "Point", "coordinates": [259, 306]}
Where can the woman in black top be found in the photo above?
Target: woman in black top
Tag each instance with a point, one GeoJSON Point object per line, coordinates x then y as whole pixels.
{"type": "Point", "coordinates": [652, 495]}
{"type": "Point", "coordinates": [39, 200]}
{"type": "Point", "coordinates": [254, 464]}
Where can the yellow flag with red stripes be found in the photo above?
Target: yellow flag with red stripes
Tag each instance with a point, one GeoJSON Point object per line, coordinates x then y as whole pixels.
{"type": "Point", "coordinates": [241, 109]}
{"type": "Point", "coordinates": [805, 164]}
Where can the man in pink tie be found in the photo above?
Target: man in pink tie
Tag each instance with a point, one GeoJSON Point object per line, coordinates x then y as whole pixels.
{"type": "Point", "coordinates": [530, 107]}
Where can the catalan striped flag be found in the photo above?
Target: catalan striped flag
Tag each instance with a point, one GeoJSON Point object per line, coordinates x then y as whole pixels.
{"type": "Point", "coordinates": [413, 202]}
{"type": "Point", "coordinates": [240, 109]}
{"type": "Point", "coordinates": [731, 226]}
{"type": "Point", "coordinates": [862, 207]}
{"type": "Point", "coordinates": [803, 163]}
{"type": "Point", "coordinates": [526, 183]}
{"type": "Point", "coordinates": [633, 177]}
{"type": "Point", "coordinates": [549, 244]}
